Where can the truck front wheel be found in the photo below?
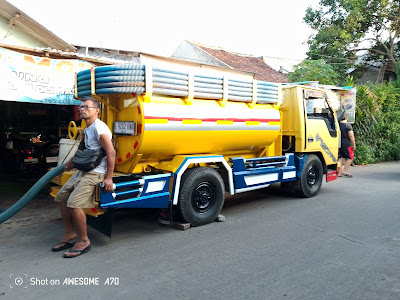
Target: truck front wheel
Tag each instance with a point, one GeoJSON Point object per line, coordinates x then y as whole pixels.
{"type": "Point", "coordinates": [311, 177]}
{"type": "Point", "coordinates": [201, 197]}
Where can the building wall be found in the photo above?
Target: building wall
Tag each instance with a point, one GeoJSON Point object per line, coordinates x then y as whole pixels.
{"type": "Point", "coordinates": [371, 74]}
{"type": "Point", "coordinates": [189, 52]}
{"type": "Point", "coordinates": [11, 35]}
{"type": "Point", "coordinates": [281, 64]}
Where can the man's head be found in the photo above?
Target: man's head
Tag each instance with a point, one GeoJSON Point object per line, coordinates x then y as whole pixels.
{"type": "Point", "coordinates": [89, 108]}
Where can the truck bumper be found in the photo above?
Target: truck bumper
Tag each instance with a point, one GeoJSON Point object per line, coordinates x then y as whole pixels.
{"type": "Point", "coordinates": [148, 192]}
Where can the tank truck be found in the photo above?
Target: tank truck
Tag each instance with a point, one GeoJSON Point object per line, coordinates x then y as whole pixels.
{"type": "Point", "coordinates": [185, 138]}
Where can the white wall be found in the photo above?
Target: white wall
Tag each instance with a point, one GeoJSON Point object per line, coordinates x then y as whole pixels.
{"type": "Point", "coordinates": [190, 52]}
{"type": "Point", "coordinates": [11, 35]}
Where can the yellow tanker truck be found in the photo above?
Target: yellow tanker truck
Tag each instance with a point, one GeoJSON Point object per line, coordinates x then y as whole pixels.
{"type": "Point", "coordinates": [183, 139]}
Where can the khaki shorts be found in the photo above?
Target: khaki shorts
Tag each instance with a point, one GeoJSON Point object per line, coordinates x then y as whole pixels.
{"type": "Point", "coordinates": [79, 190]}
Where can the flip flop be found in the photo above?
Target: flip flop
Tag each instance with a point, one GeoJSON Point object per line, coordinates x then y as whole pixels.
{"type": "Point", "coordinates": [347, 175]}
{"type": "Point", "coordinates": [77, 251]}
{"type": "Point", "coordinates": [67, 245]}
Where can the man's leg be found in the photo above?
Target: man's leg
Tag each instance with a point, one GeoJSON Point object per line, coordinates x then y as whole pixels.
{"type": "Point", "coordinates": [66, 214]}
{"type": "Point", "coordinates": [82, 197]}
{"type": "Point", "coordinates": [69, 233]}
{"type": "Point", "coordinates": [342, 162]}
{"type": "Point", "coordinates": [347, 165]}
{"type": "Point", "coordinates": [79, 217]}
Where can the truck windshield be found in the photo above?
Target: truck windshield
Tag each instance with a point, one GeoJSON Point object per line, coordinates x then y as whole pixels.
{"type": "Point", "coordinates": [318, 108]}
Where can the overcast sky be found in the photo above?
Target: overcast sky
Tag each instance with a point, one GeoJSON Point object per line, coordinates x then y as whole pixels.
{"type": "Point", "coordinates": [261, 28]}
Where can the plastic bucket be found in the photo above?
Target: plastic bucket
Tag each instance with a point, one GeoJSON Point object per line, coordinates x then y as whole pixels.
{"type": "Point", "coordinates": [67, 150]}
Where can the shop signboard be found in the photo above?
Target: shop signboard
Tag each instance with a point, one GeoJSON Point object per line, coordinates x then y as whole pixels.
{"type": "Point", "coordinates": [348, 103]}
{"type": "Point", "coordinates": [28, 78]}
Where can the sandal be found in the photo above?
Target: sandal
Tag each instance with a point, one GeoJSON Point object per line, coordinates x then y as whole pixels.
{"type": "Point", "coordinates": [80, 252]}
{"type": "Point", "coordinates": [347, 175]}
{"type": "Point", "coordinates": [62, 246]}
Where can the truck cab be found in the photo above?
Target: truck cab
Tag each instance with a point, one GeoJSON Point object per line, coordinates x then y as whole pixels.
{"type": "Point", "coordinates": [310, 127]}
{"type": "Point", "coordinates": [309, 123]}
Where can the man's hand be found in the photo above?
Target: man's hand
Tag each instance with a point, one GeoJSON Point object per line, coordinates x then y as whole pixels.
{"type": "Point", "coordinates": [107, 145]}
{"type": "Point", "coordinates": [107, 184]}
{"type": "Point", "coordinates": [68, 165]}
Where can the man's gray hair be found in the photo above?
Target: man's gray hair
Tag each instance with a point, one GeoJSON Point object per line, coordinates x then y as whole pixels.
{"type": "Point", "coordinates": [95, 102]}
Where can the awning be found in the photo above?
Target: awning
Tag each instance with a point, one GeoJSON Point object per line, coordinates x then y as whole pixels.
{"type": "Point", "coordinates": [28, 78]}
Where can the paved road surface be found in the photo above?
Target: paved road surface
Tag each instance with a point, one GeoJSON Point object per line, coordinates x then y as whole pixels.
{"type": "Point", "coordinates": [342, 244]}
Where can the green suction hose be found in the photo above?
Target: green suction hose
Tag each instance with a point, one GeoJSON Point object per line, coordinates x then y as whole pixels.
{"type": "Point", "coordinates": [31, 193]}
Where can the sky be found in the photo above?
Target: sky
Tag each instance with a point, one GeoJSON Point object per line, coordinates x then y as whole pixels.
{"type": "Point", "coordinates": [260, 28]}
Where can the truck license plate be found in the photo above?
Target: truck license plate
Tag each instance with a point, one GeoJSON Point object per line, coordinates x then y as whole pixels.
{"type": "Point", "coordinates": [124, 128]}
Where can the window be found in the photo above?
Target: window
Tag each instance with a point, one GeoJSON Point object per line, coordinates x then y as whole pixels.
{"type": "Point", "coordinates": [317, 107]}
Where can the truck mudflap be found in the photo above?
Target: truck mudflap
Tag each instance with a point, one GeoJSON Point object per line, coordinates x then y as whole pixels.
{"type": "Point", "coordinates": [331, 176]}
{"type": "Point", "coordinates": [102, 223]}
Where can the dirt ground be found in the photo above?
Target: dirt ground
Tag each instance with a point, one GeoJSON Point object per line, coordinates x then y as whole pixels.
{"type": "Point", "coordinates": [42, 208]}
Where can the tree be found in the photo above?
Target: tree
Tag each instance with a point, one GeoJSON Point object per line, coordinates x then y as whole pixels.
{"type": "Point", "coordinates": [314, 70]}
{"type": "Point", "coordinates": [344, 27]}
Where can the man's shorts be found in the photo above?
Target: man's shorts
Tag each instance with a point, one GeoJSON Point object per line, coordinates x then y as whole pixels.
{"type": "Point", "coordinates": [344, 153]}
{"type": "Point", "coordinates": [79, 190]}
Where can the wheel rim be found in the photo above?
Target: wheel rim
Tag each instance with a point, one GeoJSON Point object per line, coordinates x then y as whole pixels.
{"type": "Point", "coordinates": [312, 176]}
{"type": "Point", "coordinates": [203, 197]}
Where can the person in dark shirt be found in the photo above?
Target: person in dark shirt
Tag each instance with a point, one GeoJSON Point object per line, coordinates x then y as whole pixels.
{"type": "Point", "coordinates": [347, 146]}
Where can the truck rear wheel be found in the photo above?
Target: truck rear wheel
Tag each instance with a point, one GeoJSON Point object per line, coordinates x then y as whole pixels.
{"type": "Point", "coordinates": [311, 178]}
{"type": "Point", "coordinates": [201, 197]}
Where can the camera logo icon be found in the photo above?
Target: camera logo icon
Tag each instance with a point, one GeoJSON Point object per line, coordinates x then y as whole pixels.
{"type": "Point", "coordinates": [19, 280]}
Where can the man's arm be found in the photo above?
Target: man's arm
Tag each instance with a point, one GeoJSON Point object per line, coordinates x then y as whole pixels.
{"type": "Point", "coordinates": [110, 152]}
{"type": "Point", "coordinates": [352, 139]}
{"type": "Point", "coordinates": [69, 164]}
{"type": "Point", "coordinates": [350, 133]}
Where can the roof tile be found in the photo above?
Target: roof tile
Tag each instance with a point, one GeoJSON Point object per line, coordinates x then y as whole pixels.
{"type": "Point", "coordinates": [246, 63]}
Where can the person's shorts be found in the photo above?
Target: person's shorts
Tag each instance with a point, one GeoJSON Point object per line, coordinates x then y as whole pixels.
{"type": "Point", "coordinates": [79, 190]}
{"type": "Point", "coordinates": [344, 153]}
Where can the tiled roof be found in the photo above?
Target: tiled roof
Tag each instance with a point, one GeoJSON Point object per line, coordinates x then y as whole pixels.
{"type": "Point", "coordinates": [246, 63]}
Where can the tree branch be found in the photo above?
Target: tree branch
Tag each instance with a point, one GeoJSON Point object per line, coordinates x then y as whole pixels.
{"type": "Point", "coordinates": [369, 39]}
{"type": "Point", "coordinates": [369, 49]}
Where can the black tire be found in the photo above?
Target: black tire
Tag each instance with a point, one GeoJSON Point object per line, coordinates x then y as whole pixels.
{"type": "Point", "coordinates": [201, 196]}
{"type": "Point", "coordinates": [311, 178]}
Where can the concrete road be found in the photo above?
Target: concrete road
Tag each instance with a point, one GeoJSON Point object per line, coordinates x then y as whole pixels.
{"type": "Point", "coordinates": [342, 244]}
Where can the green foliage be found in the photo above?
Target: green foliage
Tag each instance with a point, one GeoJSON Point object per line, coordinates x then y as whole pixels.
{"type": "Point", "coordinates": [349, 81]}
{"type": "Point", "coordinates": [363, 154]}
{"type": "Point", "coordinates": [314, 70]}
{"type": "Point", "coordinates": [377, 127]}
{"type": "Point", "coordinates": [343, 27]}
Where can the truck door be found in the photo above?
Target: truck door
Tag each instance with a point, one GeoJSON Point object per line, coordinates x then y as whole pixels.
{"type": "Point", "coordinates": [321, 125]}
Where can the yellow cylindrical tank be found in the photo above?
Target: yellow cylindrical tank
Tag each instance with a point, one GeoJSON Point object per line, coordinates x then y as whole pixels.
{"type": "Point", "coordinates": [168, 126]}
